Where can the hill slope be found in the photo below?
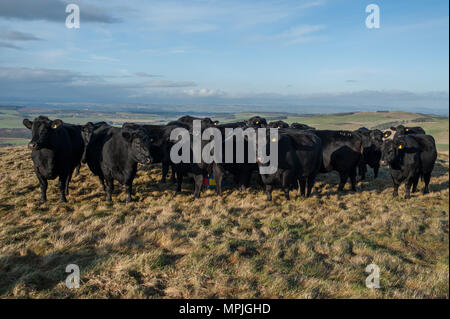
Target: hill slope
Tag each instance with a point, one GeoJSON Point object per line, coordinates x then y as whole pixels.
{"type": "Point", "coordinates": [166, 246]}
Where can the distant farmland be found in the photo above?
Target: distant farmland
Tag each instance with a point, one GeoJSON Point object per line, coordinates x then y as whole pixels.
{"type": "Point", "coordinates": [11, 118]}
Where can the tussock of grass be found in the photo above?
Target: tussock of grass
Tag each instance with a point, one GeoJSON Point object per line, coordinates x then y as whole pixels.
{"type": "Point", "coordinates": [237, 246]}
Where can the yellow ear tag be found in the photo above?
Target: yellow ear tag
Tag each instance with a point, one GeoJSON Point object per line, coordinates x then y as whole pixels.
{"type": "Point", "coordinates": [386, 135]}
{"type": "Point", "coordinates": [279, 126]}
{"type": "Point", "coordinates": [55, 126]}
{"type": "Point", "coordinates": [407, 129]}
{"type": "Point", "coordinates": [274, 139]}
{"type": "Point", "coordinates": [400, 146]}
{"type": "Point", "coordinates": [257, 122]}
{"type": "Point", "coordinates": [215, 123]}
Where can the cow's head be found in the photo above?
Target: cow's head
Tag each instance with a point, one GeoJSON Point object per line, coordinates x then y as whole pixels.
{"type": "Point", "coordinates": [389, 133]}
{"type": "Point", "coordinates": [139, 143]}
{"type": "Point", "coordinates": [391, 150]}
{"type": "Point", "coordinates": [376, 136]}
{"type": "Point", "coordinates": [42, 130]}
{"type": "Point", "coordinates": [86, 133]}
{"type": "Point", "coordinates": [278, 124]}
{"type": "Point", "coordinates": [257, 122]}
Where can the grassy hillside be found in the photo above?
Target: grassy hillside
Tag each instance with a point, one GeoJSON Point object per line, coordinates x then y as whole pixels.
{"type": "Point", "coordinates": [239, 245]}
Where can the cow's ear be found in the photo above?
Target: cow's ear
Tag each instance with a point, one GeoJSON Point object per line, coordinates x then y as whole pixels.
{"type": "Point", "coordinates": [27, 123]}
{"type": "Point", "coordinates": [393, 128]}
{"type": "Point", "coordinates": [387, 134]}
{"type": "Point", "coordinates": [56, 124]}
{"type": "Point", "coordinates": [127, 136]}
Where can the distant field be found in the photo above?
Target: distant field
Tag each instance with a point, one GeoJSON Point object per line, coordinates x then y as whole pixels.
{"type": "Point", "coordinates": [436, 126]}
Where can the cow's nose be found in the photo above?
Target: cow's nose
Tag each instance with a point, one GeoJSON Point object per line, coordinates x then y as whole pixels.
{"type": "Point", "coordinates": [32, 145]}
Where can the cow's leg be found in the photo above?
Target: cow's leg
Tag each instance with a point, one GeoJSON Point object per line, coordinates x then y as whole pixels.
{"type": "Point", "coordinates": [395, 192]}
{"type": "Point", "coordinates": [362, 169]}
{"type": "Point", "coordinates": [173, 176]}
{"type": "Point", "coordinates": [62, 187]}
{"type": "Point", "coordinates": [408, 185]}
{"type": "Point", "coordinates": [179, 181]}
{"type": "Point", "coordinates": [198, 180]}
{"type": "Point", "coordinates": [426, 180]}
{"type": "Point", "coordinates": [311, 181]}
{"type": "Point", "coordinates": [375, 171]}
{"type": "Point", "coordinates": [415, 182]}
{"type": "Point", "coordinates": [69, 178]}
{"type": "Point", "coordinates": [128, 190]}
{"type": "Point", "coordinates": [353, 179]}
{"type": "Point", "coordinates": [269, 192]}
{"type": "Point", "coordinates": [43, 183]}
{"type": "Point", "coordinates": [302, 182]}
{"type": "Point", "coordinates": [244, 179]}
{"type": "Point", "coordinates": [286, 183]}
{"type": "Point", "coordinates": [102, 183]}
{"type": "Point", "coordinates": [109, 188]}
{"type": "Point", "coordinates": [165, 171]}
{"type": "Point", "coordinates": [343, 179]}
{"type": "Point", "coordinates": [77, 170]}
{"type": "Point", "coordinates": [218, 175]}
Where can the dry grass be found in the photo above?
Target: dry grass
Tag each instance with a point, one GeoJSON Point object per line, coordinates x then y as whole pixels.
{"type": "Point", "coordinates": [166, 246]}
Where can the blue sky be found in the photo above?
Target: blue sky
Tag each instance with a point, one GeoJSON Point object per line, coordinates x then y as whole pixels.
{"type": "Point", "coordinates": [299, 56]}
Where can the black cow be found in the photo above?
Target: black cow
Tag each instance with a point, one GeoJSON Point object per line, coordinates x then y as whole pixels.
{"type": "Point", "coordinates": [342, 152]}
{"type": "Point", "coordinates": [57, 148]}
{"type": "Point", "coordinates": [113, 154]}
{"type": "Point", "coordinates": [257, 122]}
{"type": "Point", "coordinates": [159, 136]}
{"type": "Point", "coordinates": [86, 132]}
{"type": "Point", "coordinates": [300, 126]}
{"type": "Point", "coordinates": [410, 157]}
{"type": "Point", "coordinates": [402, 130]}
{"type": "Point", "coordinates": [278, 124]}
{"type": "Point", "coordinates": [299, 159]}
{"type": "Point", "coordinates": [205, 121]}
{"type": "Point", "coordinates": [196, 171]}
{"type": "Point", "coordinates": [241, 171]}
{"type": "Point", "coordinates": [372, 141]}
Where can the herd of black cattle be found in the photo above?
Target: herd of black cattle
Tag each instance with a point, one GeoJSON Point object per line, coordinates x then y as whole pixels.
{"type": "Point", "coordinates": [112, 153]}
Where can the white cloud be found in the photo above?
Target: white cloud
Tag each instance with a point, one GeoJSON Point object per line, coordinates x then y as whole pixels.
{"type": "Point", "coordinates": [204, 92]}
